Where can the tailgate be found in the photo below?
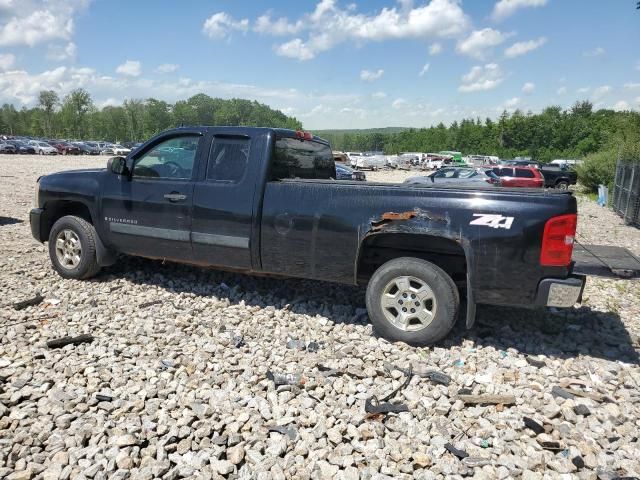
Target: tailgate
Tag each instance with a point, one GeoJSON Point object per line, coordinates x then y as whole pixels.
{"type": "Point", "coordinates": [605, 261]}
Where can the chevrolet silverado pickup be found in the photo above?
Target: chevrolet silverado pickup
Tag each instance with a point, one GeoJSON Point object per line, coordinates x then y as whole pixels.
{"type": "Point", "coordinates": [263, 200]}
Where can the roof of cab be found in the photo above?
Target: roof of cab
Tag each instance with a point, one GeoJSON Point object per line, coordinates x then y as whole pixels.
{"type": "Point", "coordinates": [280, 132]}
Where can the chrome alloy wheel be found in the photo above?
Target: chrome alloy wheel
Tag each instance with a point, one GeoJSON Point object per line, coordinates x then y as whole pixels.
{"type": "Point", "coordinates": [68, 249]}
{"type": "Point", "coordinates": [408, 303]}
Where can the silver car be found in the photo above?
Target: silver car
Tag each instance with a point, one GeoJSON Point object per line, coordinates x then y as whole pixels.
{"type": "Point", "coordinates": [457, 175]}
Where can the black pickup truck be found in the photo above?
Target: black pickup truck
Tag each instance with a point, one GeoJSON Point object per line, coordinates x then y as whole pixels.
{"type": "Point", "coordinates": [558, 177]}
{"type": "Point", "coordinates": [261, 200]}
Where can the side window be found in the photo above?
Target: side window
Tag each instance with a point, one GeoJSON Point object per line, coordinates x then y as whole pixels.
{"type": "Point", "coordinates": [523, 173]}
{"type": "Point", "coordinates": [172, 158]}
{"type": "Point", "coordinates": [228, 159]}
{"type": "Point", "coordinates": [295, 158]}
{"type": "Point", "coordinates": [449, 173]}
{"type": "Point", "coordinates": [506, 172]}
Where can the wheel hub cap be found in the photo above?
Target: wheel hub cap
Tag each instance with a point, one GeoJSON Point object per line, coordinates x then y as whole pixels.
{"type": "Point", "coordinates": [408, 303]}
{"type": "Point", "coordinates": [68, 249]}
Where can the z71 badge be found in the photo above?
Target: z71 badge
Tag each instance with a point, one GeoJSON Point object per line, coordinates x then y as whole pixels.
{"type": "Point", "coordinates": [492, 220]}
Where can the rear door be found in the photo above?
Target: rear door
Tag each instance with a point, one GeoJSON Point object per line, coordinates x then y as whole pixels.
{"type": "Point", "coordinates": [149, 214]}
{"type": "Point", "coordinates": [223, 206]}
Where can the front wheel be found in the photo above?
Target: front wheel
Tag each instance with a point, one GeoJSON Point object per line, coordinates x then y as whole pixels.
{"type": "Point", "coordinates": [412, 301]}
{"type": "Point", "coordinates": [562, 186]}
{"type": "Point", "coordinates": [72, 248]}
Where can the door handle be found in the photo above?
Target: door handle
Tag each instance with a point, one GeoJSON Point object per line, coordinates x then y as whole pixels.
{"type": "Point", "coordinates": [175, 197]}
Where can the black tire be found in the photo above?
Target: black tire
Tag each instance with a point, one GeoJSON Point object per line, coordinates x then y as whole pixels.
{"type": "Point", "coordinates": [88, 266]}
{"type": "Point", "coordinates": [445, 293]}
{"type": "Point", "coordinates": [562, 185]}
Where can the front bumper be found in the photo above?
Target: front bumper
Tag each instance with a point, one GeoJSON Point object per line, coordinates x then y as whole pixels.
{"type": "Point", "coordinates": [559, 292]}
{"type": "Point", "coordinates": [35, 218]}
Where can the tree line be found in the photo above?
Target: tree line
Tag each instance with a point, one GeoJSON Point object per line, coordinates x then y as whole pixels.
{"type": "Point", "coordinates": [553, 133]}
{"type": "Point", "coordinates": [77, 117]}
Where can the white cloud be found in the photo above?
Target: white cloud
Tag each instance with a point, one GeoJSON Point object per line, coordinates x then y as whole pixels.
{"type": "Point", "coordinates": [370, 76]}
{"type": "Point", "coordinates": [130, 68]}
{"type": "Point", "coordinates": [435, 48]}
{"type": "Point", "coordinates": [295, 48]}
{"type": "Point", "coordinates": [329, 25]}
{"type": "Point", "coordinates": [561, 91]}
{"type": "Point", "coordinates": [281, 26]}
{"type": "Point", "coordinates": [6, 61]}
{"type": "Point", "coordinates": [61, 53]}
{"type": "Point", "coordinates": [528, 88]}
{"type": "Point", "coordinates": [638, 100]}
{"type": "Point", "coordinates": [379, 95]}
{"type": "Point", "coordinates": [167, 68]}
{"type": "Point", "coordinates": [219, 25]}
{"type": "Point", "coordinates": [596, 52]}
{"type": "Point", "coordinates": [521, 48]}
{"type": "Point", "coordinates": [621, 106]}
{"type": "Point", "coordinates": [424, 70]}
{"type": "Point", "coordinates": [631, 85]}
{"type": "Point", "coordinates": [510, 104]}
{"type": "Point", "coordinates": [583, 90]}
{"type": "Point", "coordinates": [601, 91]}
{"type": "Point", "coordinates": [399, 103]}
{"type": "Point", "coordinates": [506, 8]}
{"type": "Point", "coordinates": [480, 42]}
{"type": "Point", "coordinates": [481, 78]}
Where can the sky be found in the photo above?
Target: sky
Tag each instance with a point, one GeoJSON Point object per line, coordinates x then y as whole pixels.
{"type": "Point", "coordinates": [329, 63]}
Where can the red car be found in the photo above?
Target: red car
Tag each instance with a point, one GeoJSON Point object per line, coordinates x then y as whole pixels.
{"type": "Point", "coordinates": [65, 148]}
{"type": "Point", "coordinates": [528, 177]}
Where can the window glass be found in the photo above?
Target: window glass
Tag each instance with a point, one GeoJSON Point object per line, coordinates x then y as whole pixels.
{"type": "Point", "coordinates": [466, 173]}
{"type": "Point", "coordinates": [448, 173]}
{"type": "Point", "coordinates": [173, 158]}
{"type": "Point", "coordinates": [295, 158]}
{"type": "Point", "coordinates": [228, 159]}
{"type": "Point", "coordinates": [505, 172]}
{"type": "Point", "coordinates": [522, 173]}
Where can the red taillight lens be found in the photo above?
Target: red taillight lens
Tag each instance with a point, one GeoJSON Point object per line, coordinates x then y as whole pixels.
{"type": "Point", "coordinates": [557, 241]}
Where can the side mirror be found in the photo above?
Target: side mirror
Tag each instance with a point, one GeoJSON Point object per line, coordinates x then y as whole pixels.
{"type": "Point", "coordinates": [117, 165]}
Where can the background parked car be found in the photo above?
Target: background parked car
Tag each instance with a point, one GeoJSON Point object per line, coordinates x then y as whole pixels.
{"type": "Point", "coordinates": [345, 173]}
{"type": "Point", "coordinates": [7, 147]}
{"type": "Point", "coordinates": [456, 175]}
{"type": "Point", "coordinates": [43, 148]}
{"type": "Point", "coordinates": [559, 177]}
{"type": "Point", "coordinates": [519, 177]}
{"type": "Point", "coordinates": [565, 163]}
{"type": "Point", "coordinates": [66, 148]}
{"type": "Point", "coordinates": [87, 149]}
{"type": "Point", "coordinates": [22, 147]}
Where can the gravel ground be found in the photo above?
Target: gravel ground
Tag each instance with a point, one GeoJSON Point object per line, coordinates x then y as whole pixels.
{"type": "Point", "coordinates": [180, 388]}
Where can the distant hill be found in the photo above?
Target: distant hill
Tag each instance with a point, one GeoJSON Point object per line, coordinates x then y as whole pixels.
{"type": "Point", "coordinates": [359, 131]}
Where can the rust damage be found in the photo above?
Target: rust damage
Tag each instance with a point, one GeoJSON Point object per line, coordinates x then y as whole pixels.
{"type": "Point", "coordinates": [389, 217]}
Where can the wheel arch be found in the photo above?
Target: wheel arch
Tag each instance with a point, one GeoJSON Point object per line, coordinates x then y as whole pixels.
{"type": "Point", "coordinates": [454, 256]}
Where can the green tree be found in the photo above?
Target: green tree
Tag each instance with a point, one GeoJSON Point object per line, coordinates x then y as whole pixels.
{"type": "Point", "coordinates": [47, 101]}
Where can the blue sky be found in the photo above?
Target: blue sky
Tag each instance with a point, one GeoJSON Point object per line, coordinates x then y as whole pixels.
{"type": "Point", "coordinates": [330, 63]}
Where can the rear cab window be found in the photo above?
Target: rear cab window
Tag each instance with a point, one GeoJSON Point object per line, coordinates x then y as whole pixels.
{"type": "Point", "coordinates": [302, 159]}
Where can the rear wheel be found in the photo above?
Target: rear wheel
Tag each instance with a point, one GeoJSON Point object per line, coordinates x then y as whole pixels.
{"type": "Point", "coordinates": [562, 185]}
{"type": "Point", "coordinates": [413, 301]}
{"type": "Point", "coordinates": [72, 248]}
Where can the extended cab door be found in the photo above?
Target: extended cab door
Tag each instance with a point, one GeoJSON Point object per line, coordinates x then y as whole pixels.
{"type": "Point", "coordinates": [148, 212]}
{"type": "Point", "coordinates": [225, 196]}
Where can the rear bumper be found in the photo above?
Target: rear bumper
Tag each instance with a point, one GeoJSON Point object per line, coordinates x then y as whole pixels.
{"type": "Point", "coordinates": [35, 218]}
{"type": "Point", "coordinates": [560, 292]}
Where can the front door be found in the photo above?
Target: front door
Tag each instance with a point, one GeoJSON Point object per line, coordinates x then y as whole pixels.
{"type": "Point", "coordinates": [149, 214]}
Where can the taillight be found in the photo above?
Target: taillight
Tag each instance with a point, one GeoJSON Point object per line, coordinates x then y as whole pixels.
{"type": "Point", "coordinates": [557, 240]}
